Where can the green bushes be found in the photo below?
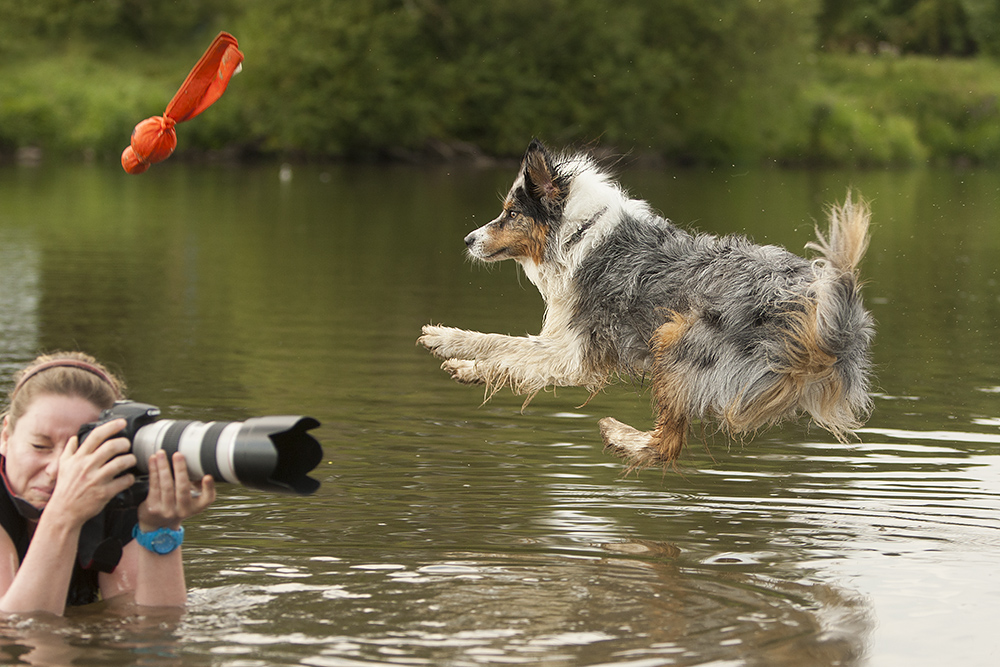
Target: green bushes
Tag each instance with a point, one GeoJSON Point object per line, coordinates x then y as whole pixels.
{"type": "Point", "coordinates": [356, 76]}
{"type": "Point", "coordinates": [929, 27]}
{"type": "Point", "coordinates": [890, 110]}
{"type": "Point", "coordinates": [690, 80]}
{"type": "Point", "coordinates": [67, 104]}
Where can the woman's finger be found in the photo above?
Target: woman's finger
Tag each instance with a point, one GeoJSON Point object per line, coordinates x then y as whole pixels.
{"type": "Point", "coordinates": [71, 446]}
{"type": "Point", "coordinates": [191, 496]}
{"type": "Point", "coordinates": [119, 484]}
{"type": "Point", "coordinates": [120, 463]}
{"type": "Point", "coordinates": [206, 493]}
{"type": "Point", "coordinates": [182, 483]}
{"type": "Point", "coordinates": [100, 434]}
{"type": "Point", "coordinates": [154, 495]}
{"type": "Point", "coordinates": [111, 449]}
{"type": "Point", "coordinates": [165, 478]}
{"type": "Point", "coordinates": [199, 496]}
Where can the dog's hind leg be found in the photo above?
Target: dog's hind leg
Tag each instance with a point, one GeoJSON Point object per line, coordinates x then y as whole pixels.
{"type": "Point", "coordinates": [664, 443]}
{"type": "Point", "coordinates": [644, 449]}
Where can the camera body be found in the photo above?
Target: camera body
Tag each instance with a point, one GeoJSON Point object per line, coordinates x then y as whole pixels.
{"type": "Point", "coordinates": [135, 414]}
{"type": "Point", "coordinates": [273, 453]}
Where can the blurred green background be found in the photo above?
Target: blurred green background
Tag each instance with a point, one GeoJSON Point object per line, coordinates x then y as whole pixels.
{"type": "Point", "coordinates": [790, 82]}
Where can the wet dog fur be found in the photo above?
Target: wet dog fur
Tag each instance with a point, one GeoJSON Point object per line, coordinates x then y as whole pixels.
{"type": "Point", "coordinates": [726, 331]}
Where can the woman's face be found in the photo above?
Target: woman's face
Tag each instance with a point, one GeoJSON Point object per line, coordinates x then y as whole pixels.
{"type": "Point", "coordinates": [34, 445]}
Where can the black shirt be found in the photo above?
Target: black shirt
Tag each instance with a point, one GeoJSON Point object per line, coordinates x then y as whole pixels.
{"type": "Point", "coordinates": [101, 538]}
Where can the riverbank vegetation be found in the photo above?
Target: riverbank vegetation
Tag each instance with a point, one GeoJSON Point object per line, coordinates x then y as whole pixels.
{"type": "Point", "coordinates": [800, 82]}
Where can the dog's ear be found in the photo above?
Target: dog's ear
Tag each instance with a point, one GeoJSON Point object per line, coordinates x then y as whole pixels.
{"type": "Point", "coordinates": [540, 179]}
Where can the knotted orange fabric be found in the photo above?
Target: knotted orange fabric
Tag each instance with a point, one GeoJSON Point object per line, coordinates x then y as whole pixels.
{"type": "Point", "coordinates": [154, 139]}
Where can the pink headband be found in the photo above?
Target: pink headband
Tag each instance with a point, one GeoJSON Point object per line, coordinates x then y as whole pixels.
{"type": "Point", "coordinates": [64, 363]}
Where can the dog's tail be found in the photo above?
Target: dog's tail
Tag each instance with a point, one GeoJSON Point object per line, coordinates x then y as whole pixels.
{"type": "Point", "coordinates": [847, 241]}
{"type": "Point", "coordinates": [825, 364]}
{"type": "Point", "coordinates": [829, 351]}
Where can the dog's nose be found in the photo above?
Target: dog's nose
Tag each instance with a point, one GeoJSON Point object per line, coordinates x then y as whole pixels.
{"type": "Point", "coordinates": [470, 239]}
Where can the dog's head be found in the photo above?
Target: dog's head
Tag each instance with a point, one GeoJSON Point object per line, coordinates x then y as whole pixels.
{"type": "Point", "coordinates": [531, 214]}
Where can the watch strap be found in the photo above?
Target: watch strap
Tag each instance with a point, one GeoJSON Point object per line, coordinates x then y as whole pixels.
{"type": "Point", "coordinates": [160, 541]}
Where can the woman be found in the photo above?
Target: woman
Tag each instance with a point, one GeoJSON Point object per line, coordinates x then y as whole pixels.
{"type": "Point", "coordinates": [79, 549]}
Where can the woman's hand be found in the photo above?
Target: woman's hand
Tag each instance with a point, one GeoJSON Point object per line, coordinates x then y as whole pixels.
{"type": "Point", "coordinates": [92, 473]}
{"type": "Point", "coordinates": [86, 476]}
{"type": "Point", "coordinates": [173, 497]}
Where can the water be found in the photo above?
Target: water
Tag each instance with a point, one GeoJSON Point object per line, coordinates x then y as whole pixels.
{"type": "Point", "coordinates": [452, 533]}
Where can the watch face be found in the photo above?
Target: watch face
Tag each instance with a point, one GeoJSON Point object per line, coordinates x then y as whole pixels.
{"type": "Point", "coordinates": [164, 542]}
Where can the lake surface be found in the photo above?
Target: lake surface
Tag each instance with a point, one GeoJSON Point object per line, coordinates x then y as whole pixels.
{"type": "Point", "coordinates": [447, 532]}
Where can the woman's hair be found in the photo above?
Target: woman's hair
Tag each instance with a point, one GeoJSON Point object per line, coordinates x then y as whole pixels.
{"type": "Point", "coordinates": [64, 374]}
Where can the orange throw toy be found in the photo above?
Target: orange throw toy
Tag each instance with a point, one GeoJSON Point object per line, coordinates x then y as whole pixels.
{"type": "Point", "coordinates": [154, 139]}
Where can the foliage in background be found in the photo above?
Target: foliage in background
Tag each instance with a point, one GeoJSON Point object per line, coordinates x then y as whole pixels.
{"type": "Point", "coordinates": [695, 81]}
{"type": "Point", "coordinates": [107, 25]}
{"type": "Point", "coordinates": [907, 110]}
{"type": "Point", "coordinates": [929, 27]}
{"type": "Point", "coordinates": [77, 76]}
{"type": "Point", "coordinates": [342, 75]}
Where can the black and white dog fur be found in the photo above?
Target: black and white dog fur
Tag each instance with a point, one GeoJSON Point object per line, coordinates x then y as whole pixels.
{"type": "Point", "coordinates": [726, 331]}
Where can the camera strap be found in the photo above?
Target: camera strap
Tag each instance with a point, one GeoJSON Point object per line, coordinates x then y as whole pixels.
{"type": "Point", "coordinates": [23, 507]}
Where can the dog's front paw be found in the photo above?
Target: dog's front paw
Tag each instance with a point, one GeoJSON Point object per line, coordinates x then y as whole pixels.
{"type": "Point", "coordinates": [439, 340]}
{"type": "Point", "coordinates": [462, 371]}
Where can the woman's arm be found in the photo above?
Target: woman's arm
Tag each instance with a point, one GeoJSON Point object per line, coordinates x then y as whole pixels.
{"type": "Point", "coordinates": [158, 579]}
{"type": "Point", "coordinates": [42, 581]}
{"type": "Point", "coordinates": [88, 477]}
{"type": "Point", "coordinates": [8, 561]}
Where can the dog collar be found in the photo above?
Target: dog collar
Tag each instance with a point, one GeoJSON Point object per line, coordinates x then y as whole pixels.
{"type": "Point", "coordinates": [584, 226]}
{"type": "Point", "coordinates": [160, 541]}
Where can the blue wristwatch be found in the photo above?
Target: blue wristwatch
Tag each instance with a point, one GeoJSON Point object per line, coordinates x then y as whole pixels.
{"type": "Point", "coordinates": [160, 541]}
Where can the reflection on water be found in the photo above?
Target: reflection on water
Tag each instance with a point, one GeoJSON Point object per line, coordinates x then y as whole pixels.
{"type": "Point", "coordinates": [480, 609]}
{"type": "Point", "coordinates": [19, 276]}
{"type": "Point", "coordinates": [102, 632]}
{"type": "Point", "coordinates": [452, 533]}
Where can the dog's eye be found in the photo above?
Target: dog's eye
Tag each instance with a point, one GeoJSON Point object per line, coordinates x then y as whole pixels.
{"type": "Point", "coordinates": [513, 214]}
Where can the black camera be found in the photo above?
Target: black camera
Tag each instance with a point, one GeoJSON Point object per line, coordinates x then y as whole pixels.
{"type": "Point", "coordinates": [271, 453]}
